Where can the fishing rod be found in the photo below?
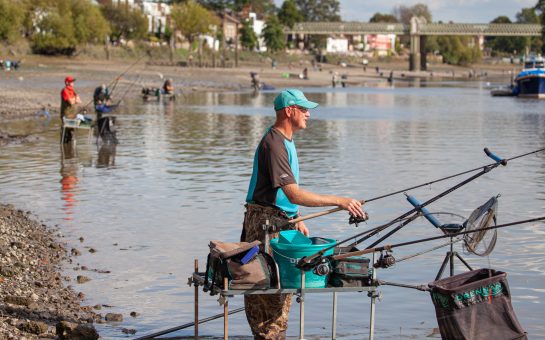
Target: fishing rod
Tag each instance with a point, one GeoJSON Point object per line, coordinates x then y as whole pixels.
{"type": "Point", "coordinates": [189, 324]}
{"type": "Point", "coordinates": [389, 247]}
{"type": "Point", "coordinates": [114, 81]}
{"type": "Point", "coordinates": [330, 211]}
{"type": "Point", "coordinates": [406, 218]}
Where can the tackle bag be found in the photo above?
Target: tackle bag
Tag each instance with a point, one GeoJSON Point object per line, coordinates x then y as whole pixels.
{"type": "Point", "coordinates": [475, 305]}
{"type": "Point", "coordinates": [349, 272]}
{"type": "Point", "coordinates": [243, 264]}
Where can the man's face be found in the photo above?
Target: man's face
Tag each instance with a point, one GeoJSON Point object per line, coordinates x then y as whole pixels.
{"type": "Point", "coordinates": [299, 117]}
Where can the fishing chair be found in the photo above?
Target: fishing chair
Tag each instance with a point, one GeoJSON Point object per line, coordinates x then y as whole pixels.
{"type": "Point", "coordinates": [476, 243]}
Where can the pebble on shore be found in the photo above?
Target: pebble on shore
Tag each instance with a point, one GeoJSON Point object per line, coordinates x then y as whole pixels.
{"type": "Point", "coordinates": [34, 303]}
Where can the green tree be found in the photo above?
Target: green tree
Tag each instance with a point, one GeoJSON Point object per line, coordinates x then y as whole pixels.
{"type": "Point", "coordinates": [457, 50]}
{"type": "Point", "coordinates": [540, 8]}
{"type": "Point", "coordinates": [192, 19]}
{"type": "Point", "coordinates": [126, 22]}
{"type": "Point", "coordinates": [261, 7]}
{"type": "Point", "coordinates": [506, 44]}
{"type": "Point", "coordinates": [89, 24]}
{"type": "Point", "coordinates": [11, 19]}
{"type": "Point", "coordinates": [273, 34]}
{"type": "Point", "coordinates": [288, 15]}
{"type": "Point", "coordinates": [248, 38]}
{"type": "Point", "coordinates": [404, 13]}
{"type": "Point", "coordinates": [319, 10]}
{"type": "Point", "coordinates": [379, 17]}
{"type": "Point", "coordinates": [53, 34]}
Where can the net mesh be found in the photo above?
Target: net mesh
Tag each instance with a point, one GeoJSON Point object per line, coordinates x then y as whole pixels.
{"type": "Point", "coordinates": [482, 242]}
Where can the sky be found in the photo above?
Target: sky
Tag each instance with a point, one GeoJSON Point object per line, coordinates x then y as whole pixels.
{"type": "Point", "coordinates": [458, 11]}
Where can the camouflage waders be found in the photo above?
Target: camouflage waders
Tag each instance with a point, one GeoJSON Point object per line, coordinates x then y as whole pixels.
{"type": "Point", "coordinates": [267, 314]}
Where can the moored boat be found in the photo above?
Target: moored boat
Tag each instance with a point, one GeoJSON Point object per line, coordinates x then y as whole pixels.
{"type": "Point", "coordinates": [531, 80]}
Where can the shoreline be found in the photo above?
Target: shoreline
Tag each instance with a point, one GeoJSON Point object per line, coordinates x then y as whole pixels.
{"type": "Point", "coordinates": [38, 82]}
{"type": "Point", "coordinates": [36, 300]}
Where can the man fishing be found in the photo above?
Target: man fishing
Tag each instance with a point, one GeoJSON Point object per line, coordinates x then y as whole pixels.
{"type": "Point", "coordinates": [274, 195]}
{"type": "Point", "coordinates": [69, 101]}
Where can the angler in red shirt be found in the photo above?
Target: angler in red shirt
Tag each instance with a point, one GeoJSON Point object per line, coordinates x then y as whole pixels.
{"type": "Point", "coordinates": [69, 100]}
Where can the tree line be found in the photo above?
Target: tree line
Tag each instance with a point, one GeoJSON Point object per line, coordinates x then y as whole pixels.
{"type": "Point", "coordinates": [61, 26]}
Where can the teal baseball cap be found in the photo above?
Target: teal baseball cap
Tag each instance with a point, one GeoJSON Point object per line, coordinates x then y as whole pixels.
{"type": "Point", "coordinates": [290, 97]}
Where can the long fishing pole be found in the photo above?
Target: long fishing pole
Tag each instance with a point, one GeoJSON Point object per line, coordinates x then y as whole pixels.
{"type": "Point", "coordinates": [389, 247]}
{"type": "Point", "coordinates": [327, 212]}
{"type": "Point", "coordinates": [189, 324]}
{"type": "Point", "coordinates": [406, 218]}
{"type": "Point", "coordinates": [115, 80]}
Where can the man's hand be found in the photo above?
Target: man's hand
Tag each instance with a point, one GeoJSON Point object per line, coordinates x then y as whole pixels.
{"type": "Point", "coordinates": [302, 228]}
{"type": "Point", "coordinates": [353, 206]}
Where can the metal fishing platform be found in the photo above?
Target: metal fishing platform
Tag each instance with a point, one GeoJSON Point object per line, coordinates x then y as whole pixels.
{"type": "Point", "coordinates": [197, 279]}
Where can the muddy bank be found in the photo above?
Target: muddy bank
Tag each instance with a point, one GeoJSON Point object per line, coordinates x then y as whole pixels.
{"type": "Point", "coordinates": [36, 300]}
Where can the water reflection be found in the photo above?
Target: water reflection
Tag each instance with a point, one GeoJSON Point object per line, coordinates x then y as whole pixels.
{"type": "Point", "coordinates": [69, 182]}
{"type": "Point", "coordinates": [106, 155]}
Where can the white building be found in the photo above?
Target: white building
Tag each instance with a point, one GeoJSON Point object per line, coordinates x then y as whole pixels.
{"type": "Point", "coordinates": [258, 26]}
{"type": "Point", "coordinates": [158, 14]}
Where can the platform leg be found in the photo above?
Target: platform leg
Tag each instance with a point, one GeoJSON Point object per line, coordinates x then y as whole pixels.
{"type": "Point", "coordinates": [196, 302]}
{"type": "Point", "coordinates": [226, 312]}
{"type": "Point", "coordinates": [302, 308]}
{"type": "Point", "coordinates": [373, 301]}
{"type": "Point", "coordinates": [334, 318]}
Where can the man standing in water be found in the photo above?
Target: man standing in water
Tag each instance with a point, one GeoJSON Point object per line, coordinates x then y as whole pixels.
{"type": "Point", "coordinates": [69, 100]}
{"type": "Point", "coordinates": [274, 195]}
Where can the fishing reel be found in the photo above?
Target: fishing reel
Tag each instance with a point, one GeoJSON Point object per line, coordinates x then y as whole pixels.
{"type": "Point", "coordinates": [356, 220]}
{"type": "Point", "coordinates": [385, 260]}
{"type": "Point", "coordinates": [319, 265]}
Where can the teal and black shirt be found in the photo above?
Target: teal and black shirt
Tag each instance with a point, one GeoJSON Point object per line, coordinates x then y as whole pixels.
{"type": "Point", "coordinates": [275, 165]}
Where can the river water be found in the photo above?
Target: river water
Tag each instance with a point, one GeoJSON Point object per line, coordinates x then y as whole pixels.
{"type": "Point", "coordinates": [179, 176]}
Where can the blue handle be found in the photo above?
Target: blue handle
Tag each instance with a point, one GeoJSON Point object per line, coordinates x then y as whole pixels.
{"type": "Point", "coordinates": [250, 254]}
{"type": "Point", "coordinates": [495, 157]}
{"type": "Point", "coordinates": [424, 211]}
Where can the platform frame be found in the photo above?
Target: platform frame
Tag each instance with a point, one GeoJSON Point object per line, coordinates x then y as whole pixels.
{"type": "Point", "coordinates": [197, 279]}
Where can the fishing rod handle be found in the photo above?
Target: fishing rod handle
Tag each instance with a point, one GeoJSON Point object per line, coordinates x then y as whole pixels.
{"type": "Point", "coordinates": [495, 157]}
{"type": "Point", "coordinates": [318, 214]}
{"type": "Point", "coordinates": [355, 253]}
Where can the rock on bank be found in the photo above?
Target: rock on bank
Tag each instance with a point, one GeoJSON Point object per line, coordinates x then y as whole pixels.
{"type": "Point", "coordinates": [34, 301]}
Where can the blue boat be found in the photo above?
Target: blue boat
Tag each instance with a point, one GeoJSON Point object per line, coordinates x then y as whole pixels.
{"type": "Point", "coordinates": [531, 81]}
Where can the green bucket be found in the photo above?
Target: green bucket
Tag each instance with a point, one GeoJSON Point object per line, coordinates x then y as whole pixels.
{"type": "Point", "coordinates": [287, 255]}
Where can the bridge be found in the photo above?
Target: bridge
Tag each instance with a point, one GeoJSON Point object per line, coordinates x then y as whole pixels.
{"type": "Point", "coordinates": [417, 30]}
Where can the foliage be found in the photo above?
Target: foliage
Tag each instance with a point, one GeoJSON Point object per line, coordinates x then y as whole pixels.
{"type": "Point", "coordinates": [126, 22]}
{"type": "Point", "coordinates": [89, 24]}
{"type": "Point", "coordinates": [261, 7]}
{"type": "Point", "coordinates": [511, 45]}
{"type": "Point", "coordinates": [456, 50]}
{"type": "Point", "coordinates": [11, 19]}
{"type": "Point", "coordinates": [404, 13]}
{"type": "Point", "coordinates": [248, 38]}
{"type": "Point", "coordinates": [288, 14]}
{"type": "Point", "coordinates": [54, 35]}
{"type": "Point", "coordinates": [273, 34]}
{"type": "Point", "coordinates": [540, 7]}
{"type": "Point", "coordinates": [319, 10]}
{"type": "Point", "coordinates": [379, 17]}
{"type": "Point", "coordinates": [192, 19]}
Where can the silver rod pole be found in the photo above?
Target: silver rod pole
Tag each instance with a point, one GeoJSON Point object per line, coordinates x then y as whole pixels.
{"type": "Point", "coordinates": [302, 308]}
{"type": "Point", "coordinates": [334, 321]}
{"type": "Point", "coordinates": [372, 312]}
